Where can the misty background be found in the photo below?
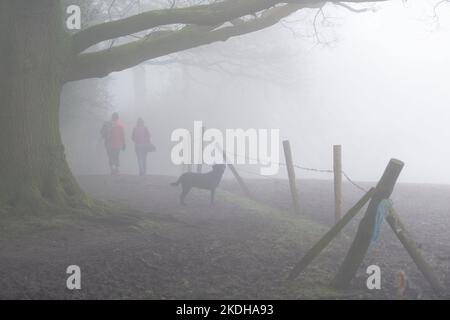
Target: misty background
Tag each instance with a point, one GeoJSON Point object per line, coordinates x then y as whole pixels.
{"type": "Point", "coordinates": [375, 82]}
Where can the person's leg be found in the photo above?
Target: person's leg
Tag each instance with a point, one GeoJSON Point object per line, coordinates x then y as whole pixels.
{"type": "Point", "coordinates": [109, 152]}
{"type": "Point", "coordinates": [118, 158]}
{"type": "Point", "coordinates": [144, 162]}
{"type": "Point", "coordinates": [116, 161]}
{"type": "Point", "coordinates": [139, 159]}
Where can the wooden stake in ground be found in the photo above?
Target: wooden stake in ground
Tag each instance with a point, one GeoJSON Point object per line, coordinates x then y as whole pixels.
{"type": "Point", "coordinates": [329, 236]}
{"type": "Point", "coordinates": [363, 236]}
{"type": "Point", "coordinates": [337, 169]}
{"type": "Point", "coordinates": [189, 166]}
{"type": "Point", "coordinates": [291, 175]}
{"type": "Point", "coordinates": [410, 246]}
{"type": "Point", "coordinates": [236, 174]}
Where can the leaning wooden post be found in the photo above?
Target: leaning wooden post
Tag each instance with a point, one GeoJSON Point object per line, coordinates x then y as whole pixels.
{"type": "Point", "coordinates": [397, 226]}
{"type": "Point", "coordinates": [337, 169]}
{"type": "Point", "coordinates": [363, 236]}
{"type": "Point", "coordinates": [291, 175]}
{"type": "Point", "coordinates": [329, 236]}
{"type": "Point", "coordinates": [189, 165]}
{"type": "Point", "coordinates": [199, 165]}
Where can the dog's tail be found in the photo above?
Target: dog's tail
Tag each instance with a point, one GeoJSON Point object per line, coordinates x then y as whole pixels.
{"type": "Point", "coordinates": [174, 184]}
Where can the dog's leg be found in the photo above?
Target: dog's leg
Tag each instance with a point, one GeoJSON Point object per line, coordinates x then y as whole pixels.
{"type": "Point", "coordinates": [213, 192]}
{"type": "Point", "coordinates": [183, 195]}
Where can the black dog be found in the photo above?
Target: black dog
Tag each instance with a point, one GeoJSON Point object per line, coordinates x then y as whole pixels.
{"type": "Point", "coordinates": [208, 181]}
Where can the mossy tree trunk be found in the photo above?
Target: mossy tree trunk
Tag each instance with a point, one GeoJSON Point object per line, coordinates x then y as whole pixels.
{"type": "Point", "coordinates": [33, 169]}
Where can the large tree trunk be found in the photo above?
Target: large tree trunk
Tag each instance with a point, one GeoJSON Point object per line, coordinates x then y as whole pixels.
{"type": "Point", "coordinates": [33, 169]}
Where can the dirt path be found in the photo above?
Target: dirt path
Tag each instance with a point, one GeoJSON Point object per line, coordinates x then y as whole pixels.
{"type": "Point", "coordinates": [235, 249]}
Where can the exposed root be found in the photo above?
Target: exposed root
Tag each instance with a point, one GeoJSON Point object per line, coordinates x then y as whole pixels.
{"type": "Point", "coordinates": [53, 199]}
{"type": "Point", "coordinates": [28, 199]}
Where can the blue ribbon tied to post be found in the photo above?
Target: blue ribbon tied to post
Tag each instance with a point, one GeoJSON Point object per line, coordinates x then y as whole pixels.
{"type": "Point", "coordinates": [382, 211]}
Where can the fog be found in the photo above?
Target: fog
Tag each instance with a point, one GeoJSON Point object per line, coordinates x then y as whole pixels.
{"type": "Point", "coordinates": [102, 205]}
{"type": "Point", "coordinates": [374, 82]}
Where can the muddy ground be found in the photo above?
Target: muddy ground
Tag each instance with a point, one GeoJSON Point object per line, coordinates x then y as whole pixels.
{"type": "Point", "coordinates": [152, 248]}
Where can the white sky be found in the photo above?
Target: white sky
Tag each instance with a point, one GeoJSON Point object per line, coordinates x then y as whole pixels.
{"type": "Point", "coordinates": [382, 90]}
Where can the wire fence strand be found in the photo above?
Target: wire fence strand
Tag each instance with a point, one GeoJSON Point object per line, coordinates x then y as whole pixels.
{"type": "Point", "coordinates": [346, 176]}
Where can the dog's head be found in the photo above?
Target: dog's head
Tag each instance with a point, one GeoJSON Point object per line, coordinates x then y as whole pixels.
{"type": "Point", "coordinates": [220, 168]}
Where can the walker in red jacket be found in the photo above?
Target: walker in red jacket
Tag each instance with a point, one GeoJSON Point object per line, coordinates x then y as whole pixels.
{"type": "Point", "coordinates": [113, 134]}
{"type": "Point", "coordinates": [142, 144]}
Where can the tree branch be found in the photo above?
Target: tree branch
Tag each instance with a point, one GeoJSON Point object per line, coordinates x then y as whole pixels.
{"type": "Point", "coordinates": [208, 27]}
{"type": "Point", "coordinates": [350, 8]}
{"type": "Point", "coordinates": [209, 14]}
{"type": "Point", "coordinates": [101, 63]}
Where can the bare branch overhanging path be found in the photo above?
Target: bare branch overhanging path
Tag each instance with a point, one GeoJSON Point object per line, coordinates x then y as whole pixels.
{"type": "Point", "coordinates": [203, 24]}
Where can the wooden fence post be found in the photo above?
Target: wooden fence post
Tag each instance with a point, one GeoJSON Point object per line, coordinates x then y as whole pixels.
{"type": "Point", "coordinates": [329, 236]}
{"type": "Point", "coordinates": [291, 175]}
{"type": "Point", "coordinates": [364, 234]}
{"type": "Point", "coordinates": [199, 165]}
{"type": "Point", "coordinates": [190, 164]}
{"type": "Point", "coordinates": [337, 169]}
